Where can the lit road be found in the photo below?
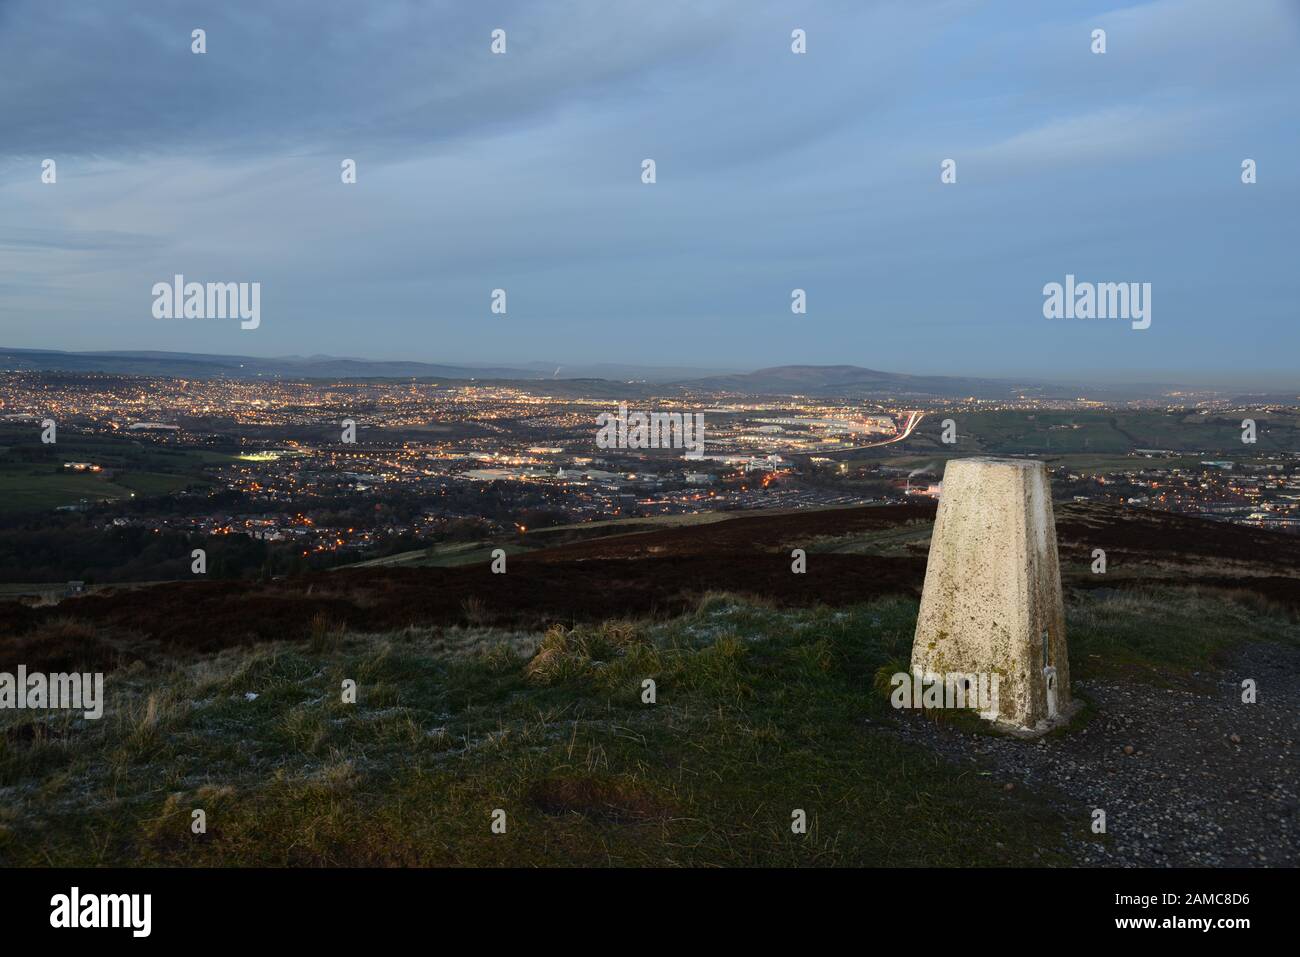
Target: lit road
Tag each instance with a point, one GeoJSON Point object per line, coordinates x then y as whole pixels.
{"type": "Point", "coordinates": [913, 420]}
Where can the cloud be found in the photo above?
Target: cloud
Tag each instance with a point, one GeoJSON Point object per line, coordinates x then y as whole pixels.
{"type": "Point", "coordinates": [19, 239]}
{"type": "Point", "coordinates": [1105, 136]}
{"type": "Point", "coordinates": [775, 171]}
{"type": "Point", "coordinates": [102, 79]}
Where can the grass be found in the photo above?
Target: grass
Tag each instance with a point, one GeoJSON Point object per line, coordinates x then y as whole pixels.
{"type": "Point", "coordinates": [157, 483]}
{"type": "Point", "coordinates": [138, 466]}
{"type": "Point", "coordinates": [909, 539]}
{"type": "Point", "coordinates": [24, 489]}
{"type": "Point", "coordinates": [27, 489]}
{"type": "Point", "coordinates": [757, 712]}
{"type": "Point", "coordinates": [1118, 635]}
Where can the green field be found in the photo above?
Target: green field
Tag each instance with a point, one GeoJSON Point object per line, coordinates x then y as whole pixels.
{"type": "Point", "coordinates": [26, 489]}
{"type": "Point", "coordinates": [32, 476]}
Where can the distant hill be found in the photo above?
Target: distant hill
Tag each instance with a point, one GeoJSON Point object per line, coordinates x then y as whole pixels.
{"type": "Point", "coordinates": [845, 380]}
{"type": "Point", "coordinates": [199, 365]}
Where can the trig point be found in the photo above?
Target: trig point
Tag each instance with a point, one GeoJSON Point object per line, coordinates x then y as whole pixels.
{"type": "Point", "coordinates": [992, 599]}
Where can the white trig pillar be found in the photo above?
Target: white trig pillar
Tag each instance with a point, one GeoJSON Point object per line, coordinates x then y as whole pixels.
{"type": "Point", "coordinates": [992, 599]}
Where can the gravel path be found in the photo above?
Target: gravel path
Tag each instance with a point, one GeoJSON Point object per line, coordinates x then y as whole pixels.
{"type": "Point", "coordinates": [1186, 778]}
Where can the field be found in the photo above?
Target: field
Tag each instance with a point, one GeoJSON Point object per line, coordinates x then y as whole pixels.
{"type": "Point", "coordinates": [758, 712]}
{"type": "Point", "coordinates": [31, 489]}
{"type": "Point", "coordinates": [32, 476]}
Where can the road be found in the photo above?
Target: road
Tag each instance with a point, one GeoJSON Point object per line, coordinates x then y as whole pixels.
{"type": "Point", "coordinates": [913, 420]}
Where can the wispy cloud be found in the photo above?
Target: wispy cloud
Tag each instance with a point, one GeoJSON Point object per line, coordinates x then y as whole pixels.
{"type": "Point", "coordinates": [1110, 135]}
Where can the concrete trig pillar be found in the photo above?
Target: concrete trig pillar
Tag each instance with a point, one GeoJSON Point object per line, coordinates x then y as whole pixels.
{"type": "Point", "coordinates": [992, 599]}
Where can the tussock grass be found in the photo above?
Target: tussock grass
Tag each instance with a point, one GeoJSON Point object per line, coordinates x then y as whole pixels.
{"type": "Point", "coordinates": [570, 653]}
{"type": "Point", "coordinates": [325, 634]}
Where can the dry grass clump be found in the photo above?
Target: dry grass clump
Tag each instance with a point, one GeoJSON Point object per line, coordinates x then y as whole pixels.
{"type": "Point", "coordinates": [326, 634]}
{"type": "Point", "coordinates": [565, 653]}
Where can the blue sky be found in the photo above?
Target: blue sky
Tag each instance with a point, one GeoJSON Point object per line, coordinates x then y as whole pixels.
{"type": "Point", "coordinates": [775, 171]}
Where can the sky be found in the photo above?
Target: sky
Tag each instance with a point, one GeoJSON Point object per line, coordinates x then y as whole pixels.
{"type": "Point", "coordinates": [774, 170]}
